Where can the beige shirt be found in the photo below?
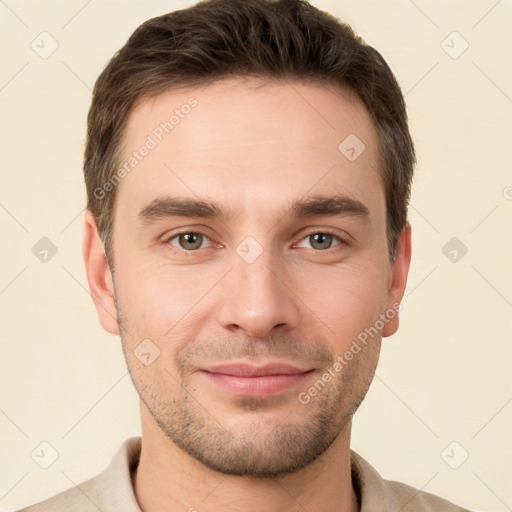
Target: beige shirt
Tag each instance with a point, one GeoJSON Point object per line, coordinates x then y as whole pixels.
{"type": "Point", "coordinates": [112, 490]}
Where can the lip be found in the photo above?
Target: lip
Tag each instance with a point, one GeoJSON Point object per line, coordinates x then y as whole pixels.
{"type": "Point", "coordinates": [247, 380]}
{"type": "Point", "coordinates": [250, 370]}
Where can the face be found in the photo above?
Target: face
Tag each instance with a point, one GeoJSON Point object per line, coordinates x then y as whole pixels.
{"type": "Point", "coordinates": [250, 261]}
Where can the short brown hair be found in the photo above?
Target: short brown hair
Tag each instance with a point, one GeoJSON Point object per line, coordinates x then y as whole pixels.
{"type": "Point", "coordinates": [214, 39]}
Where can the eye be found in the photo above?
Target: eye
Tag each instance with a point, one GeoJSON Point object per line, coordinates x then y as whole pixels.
{"type": "Point", "coordinates": [189, 241]}
{"type": "Point", "coordinates": [322, 240]}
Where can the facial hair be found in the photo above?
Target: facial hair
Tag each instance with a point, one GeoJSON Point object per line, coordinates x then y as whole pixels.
{"type": "Point", "coordinates": [260, 448]}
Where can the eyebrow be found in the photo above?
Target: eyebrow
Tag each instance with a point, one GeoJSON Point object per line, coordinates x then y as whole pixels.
{"type": "Point", "coordinates": [313, 206]}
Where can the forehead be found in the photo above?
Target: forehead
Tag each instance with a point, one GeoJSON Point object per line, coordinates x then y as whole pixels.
{"type": "Point", "coordinates": [241, 140]}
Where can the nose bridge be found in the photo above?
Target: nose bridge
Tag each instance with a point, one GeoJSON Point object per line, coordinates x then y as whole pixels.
{"type": "Point", "coordinates": [257, 300]}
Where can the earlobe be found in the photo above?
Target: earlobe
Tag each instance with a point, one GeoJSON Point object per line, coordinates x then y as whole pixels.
{"type": "Point", "coordinates": [99, 276]}
{"type": "Point", "coordinates": [398, 280]}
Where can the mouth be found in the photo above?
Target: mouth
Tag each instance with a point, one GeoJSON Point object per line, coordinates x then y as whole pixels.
{"type": "Point", "coordinates": [247, 380]}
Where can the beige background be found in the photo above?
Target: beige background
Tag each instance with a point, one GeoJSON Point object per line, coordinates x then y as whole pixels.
{"type": "Point", "coordinates": [444, 377]}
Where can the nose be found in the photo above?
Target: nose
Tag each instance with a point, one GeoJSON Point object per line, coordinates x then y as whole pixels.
{"type": "Point", "coordinates": [258, 298]}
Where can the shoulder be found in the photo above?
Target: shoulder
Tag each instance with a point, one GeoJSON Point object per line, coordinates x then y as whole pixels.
{"type": "Point", "coordinates": [380, 495]}
{"type": "Point", "coordinates": [109, 490]}
{"type": "Point", "coordinates": [414, 500]}
{"type": "Point", "coordinates": [85, 497]}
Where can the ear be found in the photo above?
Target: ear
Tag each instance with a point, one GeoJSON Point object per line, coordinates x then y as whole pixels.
{"type": "Point", "coordinates": [99, 275]}
{"type": "Point", "coordinates": [398, 278]}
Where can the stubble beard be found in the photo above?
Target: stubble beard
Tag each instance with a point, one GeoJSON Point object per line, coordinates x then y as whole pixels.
{"type": "Point", "coordinates": [267, 450]}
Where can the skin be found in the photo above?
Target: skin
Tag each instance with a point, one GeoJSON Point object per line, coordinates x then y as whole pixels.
{"type": "Point", "coordinates": [255, 146]}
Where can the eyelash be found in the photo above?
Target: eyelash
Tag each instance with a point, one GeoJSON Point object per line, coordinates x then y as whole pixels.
{"type": "Point", "coordinates": [175, 249]}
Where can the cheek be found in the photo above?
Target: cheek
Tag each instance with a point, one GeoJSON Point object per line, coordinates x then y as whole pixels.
{"type": "Point", "coordinates": [346, 299]}
{"type": "Point", "coordinates": [160, 303]}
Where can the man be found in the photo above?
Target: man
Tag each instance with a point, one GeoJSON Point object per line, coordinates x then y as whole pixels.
{"type": "Point", "coordinates": [248, 167]}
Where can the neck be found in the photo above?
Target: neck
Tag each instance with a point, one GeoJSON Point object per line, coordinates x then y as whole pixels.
{"type": "Point", "coordinates": [168, 480]}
